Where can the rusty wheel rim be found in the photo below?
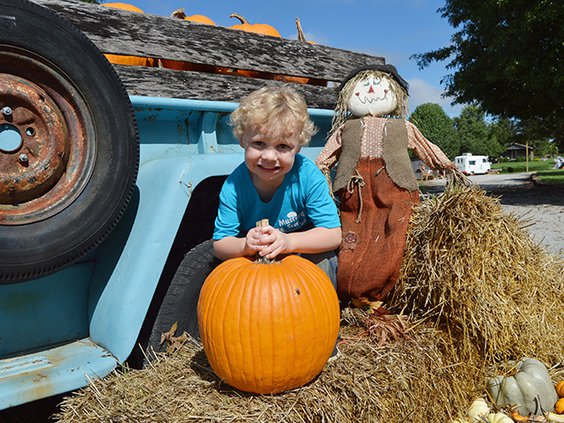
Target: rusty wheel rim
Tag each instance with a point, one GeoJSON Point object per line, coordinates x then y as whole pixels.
{"type": "Point", "coordinates": [47, 140]}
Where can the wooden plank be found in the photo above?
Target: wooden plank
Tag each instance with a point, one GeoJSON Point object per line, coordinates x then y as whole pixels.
{"type": "Point", "coordinates": [209, 86]}
{"type": "Point", "coordinates": [121, 32]}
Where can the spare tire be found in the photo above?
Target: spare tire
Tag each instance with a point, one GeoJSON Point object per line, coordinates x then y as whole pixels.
{"type": "Point", "coordinates": [69, 148]}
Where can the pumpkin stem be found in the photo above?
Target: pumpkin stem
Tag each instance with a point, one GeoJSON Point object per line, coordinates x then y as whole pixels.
{"type": "Point", "coordinates": [263, 259]}
{"type": "Point", "coordinates": [301, 36]}
{"type": "Point", "coordinates": [178, 13]}
{"type": "Point", "coordinates": [242, 19]}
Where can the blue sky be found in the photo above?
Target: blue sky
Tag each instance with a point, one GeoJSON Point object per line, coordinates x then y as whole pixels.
{"type": "Point", "coordinates": [394, 29]}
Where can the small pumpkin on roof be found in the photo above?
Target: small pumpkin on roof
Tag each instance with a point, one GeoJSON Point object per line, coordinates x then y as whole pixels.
{"type": "Point", "coordinates": [120, 59]}
{"type": "Point", "coordinates": [180, 14]}
{"type": "Point", "coordinates": [180, 65]}
{"type": "Point", "coordinates": [257, 28]}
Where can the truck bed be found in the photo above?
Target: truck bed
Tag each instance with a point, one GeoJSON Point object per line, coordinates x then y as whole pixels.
{"type": "Point", "coordinates": [128, 33]}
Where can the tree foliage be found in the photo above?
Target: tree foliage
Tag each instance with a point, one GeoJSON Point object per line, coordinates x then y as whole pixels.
{"type": "Point", "coordinates": [507, 56]}
{"type": "Point", "coordinates": [505, 131]}
{"type": "Point", "coordinates": [475, 134]}
{"type": "Point", "coordinates": [437, 127]}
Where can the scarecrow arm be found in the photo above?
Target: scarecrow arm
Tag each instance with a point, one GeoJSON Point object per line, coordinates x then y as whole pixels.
{"type": "Point", "coordinates": [330, 153]}
{"type": "Point", "coordinates": [430, 153]}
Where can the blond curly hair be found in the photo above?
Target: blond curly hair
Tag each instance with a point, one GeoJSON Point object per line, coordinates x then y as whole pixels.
{"type": "Point", "coordinates": [275, 112]}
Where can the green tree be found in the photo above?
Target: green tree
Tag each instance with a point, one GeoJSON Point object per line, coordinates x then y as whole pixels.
{"type": "Point", "coordinates": [475, 134]}
{"type": "Point", "coordinates": [507, 56]}
{"type": "Point", "coordinates": [505, 131]}
{"type": "Point", "coordinates": [437, 127]}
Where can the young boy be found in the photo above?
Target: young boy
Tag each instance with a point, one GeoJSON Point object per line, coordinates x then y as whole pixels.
{"type": "Point", "coordinates": [276, 183]}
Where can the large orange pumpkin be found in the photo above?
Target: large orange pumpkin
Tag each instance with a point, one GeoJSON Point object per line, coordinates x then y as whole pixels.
{"type": "Point", "coordinates": [268, 327]}
{"type": "Point", "coordinates": [120, 59]}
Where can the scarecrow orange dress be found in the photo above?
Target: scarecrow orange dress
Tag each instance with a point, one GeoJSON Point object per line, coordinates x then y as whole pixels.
{"type": "Point", "coordinates": [375, 207]}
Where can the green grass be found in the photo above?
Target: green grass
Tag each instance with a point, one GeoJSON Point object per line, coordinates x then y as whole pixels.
{"type": "Point", "coordinates": [552, 177]}
{"type": "Point", "coordinates": [534, 166]}
{"type": "Point", "coordinates": [544, 169]}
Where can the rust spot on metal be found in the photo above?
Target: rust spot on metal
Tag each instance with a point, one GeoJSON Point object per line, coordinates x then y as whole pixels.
{"type": "Point", "coordinates": [32, 176]}
{"type": "Point", "coordinates": [53, 163]}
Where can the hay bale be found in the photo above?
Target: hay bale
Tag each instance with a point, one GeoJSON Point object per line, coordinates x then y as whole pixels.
{"type": "Point", "coordinates": [417, 378]}
{"type": "Point", "coordinates": [472, 269]}
{"type": "Point", "coordinates": [477, 292]}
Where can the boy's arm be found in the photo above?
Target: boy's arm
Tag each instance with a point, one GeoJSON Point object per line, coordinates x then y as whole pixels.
{"type": "Point", "coordinates": [316, 240]}
{"type": "Point", "coordinates": [230, 247]}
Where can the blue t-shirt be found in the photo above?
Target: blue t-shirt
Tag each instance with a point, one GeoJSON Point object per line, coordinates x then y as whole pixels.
{"type": "Point", "coordinates": [302, 202]}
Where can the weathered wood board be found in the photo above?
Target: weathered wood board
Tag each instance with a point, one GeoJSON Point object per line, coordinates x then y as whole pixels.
{"type": "Point", "coordinates": [121, 32]}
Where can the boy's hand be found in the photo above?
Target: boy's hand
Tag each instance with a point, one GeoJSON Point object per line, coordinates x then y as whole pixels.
{"type": "Point", "coordinates": [253, 241]}
{"type": "Point", "coordinates": [268, 241]}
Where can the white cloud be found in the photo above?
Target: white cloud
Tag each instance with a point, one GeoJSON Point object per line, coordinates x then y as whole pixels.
{"type": "Point", "coordinates": [421, 92]}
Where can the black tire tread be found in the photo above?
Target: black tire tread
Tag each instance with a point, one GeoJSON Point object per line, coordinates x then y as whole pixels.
{"type": "Point", "coordinates": [181, 299]}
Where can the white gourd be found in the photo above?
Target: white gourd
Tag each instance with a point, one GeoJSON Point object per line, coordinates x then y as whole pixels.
{"type": "Point", "coordinates": [478, 409]}
{"type": "Point", "coordinates": [531, 388]}
{"type": "Point", "coordinates": [499, 418]}
{"type": "Point", "coordinates": [555, 418]}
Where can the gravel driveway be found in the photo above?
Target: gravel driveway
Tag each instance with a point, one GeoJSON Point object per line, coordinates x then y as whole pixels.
{"type": "Point", "coordinates": [540, 207]}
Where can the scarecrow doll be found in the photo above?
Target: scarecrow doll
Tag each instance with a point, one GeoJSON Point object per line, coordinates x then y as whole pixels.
{"type": "Point", "coordinates": [374, 181]}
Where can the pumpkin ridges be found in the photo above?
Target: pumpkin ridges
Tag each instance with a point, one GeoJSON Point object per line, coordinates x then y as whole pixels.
{"type": "Point", "coordinates": [266, 365]}
{"type": "Point", "coordinates": [292, 281]}
{"type": "Point", "coordinates": [330, 312]}
{"type": "Point", "coordinates": [226, 288]}
{"type": "Point", "coordinates": [255, 344]}
{"type": "Point", "coordinates": [206, 312]}
{"type": "Point", "coordinates": [309, 281]}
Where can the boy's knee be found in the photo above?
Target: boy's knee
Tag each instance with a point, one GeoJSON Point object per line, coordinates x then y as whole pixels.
{"type": "Point", "coordinates": [327, 262]}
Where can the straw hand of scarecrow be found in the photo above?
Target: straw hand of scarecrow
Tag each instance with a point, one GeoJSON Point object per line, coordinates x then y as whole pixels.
{"type": "Point", "coordinates": [457, 179]}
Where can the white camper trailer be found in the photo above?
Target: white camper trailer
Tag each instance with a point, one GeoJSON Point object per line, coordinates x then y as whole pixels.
{"type": "Point", "coordinates": [472, 165]}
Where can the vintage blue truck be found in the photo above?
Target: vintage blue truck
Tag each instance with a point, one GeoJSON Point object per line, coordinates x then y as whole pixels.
{"type": "Point", "coordinates": [109, 177]}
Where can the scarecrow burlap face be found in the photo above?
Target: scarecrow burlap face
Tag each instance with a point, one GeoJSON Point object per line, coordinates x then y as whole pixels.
{"type": "Point", "coordinates": [372, 95]}
{"type": "Point", "coordinates": [376, 91]}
